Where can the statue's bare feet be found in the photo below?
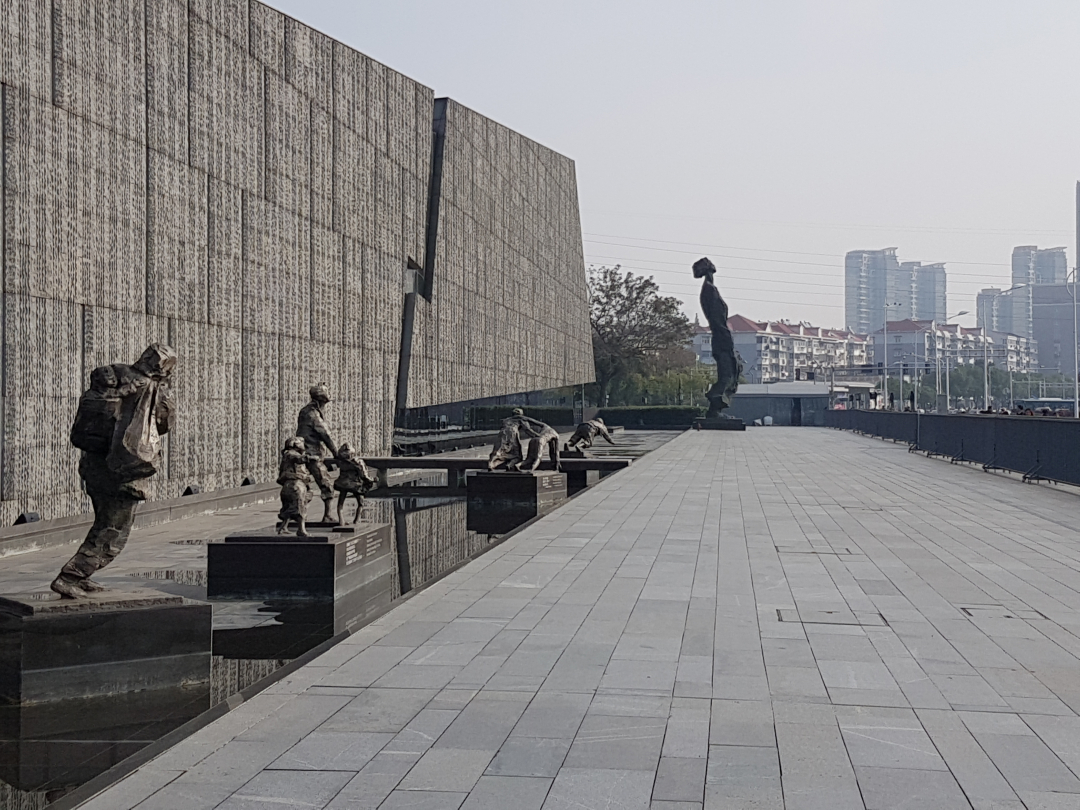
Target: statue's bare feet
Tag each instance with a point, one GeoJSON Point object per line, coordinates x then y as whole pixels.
{"type": "Point", "coordinates": [66, 589]}
{"type": "Point", "coordinates": [90, 586]}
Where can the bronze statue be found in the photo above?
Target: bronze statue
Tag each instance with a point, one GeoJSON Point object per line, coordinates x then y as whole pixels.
{"type": "Point", "coordinates": [354, 479]}
{"type": "Point", "coordinates": [728, 363]}
{"type": "Point", "coordinates": [542, 436]}
{"type": "Point", "coordinates": [586, 432]}
{"type": "Point", "coordinates": [311, 427]}
{"type": "Point", "coordinates": [118, 427]}
{"type": "Point", "coordinates": [506, 453]}
{"type": "Point", "coordinates": [294, 476]}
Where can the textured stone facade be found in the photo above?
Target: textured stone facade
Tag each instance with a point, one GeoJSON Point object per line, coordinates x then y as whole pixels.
{"type": "Point", "coordinates": [220, 177]}
{"type": "Point", "coordinates": [507, 314]}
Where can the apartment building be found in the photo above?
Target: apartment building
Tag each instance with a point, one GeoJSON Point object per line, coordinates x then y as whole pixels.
{"type": "Point", "coordinates": [876, 278]}
{"type": "Point", "coordinates": [777, 350]}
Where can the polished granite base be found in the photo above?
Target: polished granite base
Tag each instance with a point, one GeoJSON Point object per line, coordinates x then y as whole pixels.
{"type": "Point", "coordinates": [541, 486]}
{"type": "Point", "coordinates": [499, 502]}
{"type": "Point", "coordinates": [119, 641]}
{"type": "Point", "coordinates": [262, 564]}
{"type": "Point", "coordinates": [64, 743]}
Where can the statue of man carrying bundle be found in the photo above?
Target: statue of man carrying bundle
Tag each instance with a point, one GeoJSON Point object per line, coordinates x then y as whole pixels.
{"type": "Point", "coordinates": [118, 427]}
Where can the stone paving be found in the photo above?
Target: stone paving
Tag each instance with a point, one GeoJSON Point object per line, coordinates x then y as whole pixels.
{"type": "Point", "coordinates": [785, 618]}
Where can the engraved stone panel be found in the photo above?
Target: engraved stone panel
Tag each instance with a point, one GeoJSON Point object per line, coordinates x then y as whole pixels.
{"type": "Point", "coordinates": [227, 17]}
{"type": "Point", "coordinates": [26, 46]}
{"type": "Point", "coordinates": [225, 254]}
{"type": "Point", "coordinates": [204, 447]}
{"type": "Point", "coordinates": [309, 62]}
{"type": "Point", "coordinates": [287, 171]}
{"type": "Point", "coordinates": [74, 207]}
{"type": "Point", "coordinates": [509, 235]}
{"type": "Point", "coordinates": [167, 77]}
{"type": "Point", "coordinates": [268, 37]}
{"type": "Point", "coordinates": [176, 278]}
{"type": "Point", "coordinates": [226, 107]}
{"type": "Point", "coordinates": [277, 269]}
{"type": "Point", "coordinates": [99, 63]}
{"type": "Point", "coordinates": [327, 285]}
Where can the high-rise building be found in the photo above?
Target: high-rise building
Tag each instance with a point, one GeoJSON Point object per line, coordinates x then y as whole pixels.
{"type": "Point", "coordinates": [865, 277]}
{"type": "Point", "coordinates": [930, 299]}
{"type": "Point", "coordinates": [1013, 311]}
{"type": "Point", "coordinates": [874, 278]}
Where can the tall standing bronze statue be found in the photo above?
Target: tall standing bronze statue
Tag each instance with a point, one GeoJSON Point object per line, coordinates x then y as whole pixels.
{"type": "Point", "coordinates": [118, 427]}
{"type": "Point", "coordinates": [311, 427]}
{"type": "Point", "coordinates": [728, 363]}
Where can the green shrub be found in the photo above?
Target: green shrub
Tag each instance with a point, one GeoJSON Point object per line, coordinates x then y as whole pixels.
{"type": "Point", "coordinates": [645, 415]}
{"type": "Point", "coordinates": [489, 417]}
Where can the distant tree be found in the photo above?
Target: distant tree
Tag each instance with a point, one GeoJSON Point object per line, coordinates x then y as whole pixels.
{"type": "Point", "coordinates": [631, 324]}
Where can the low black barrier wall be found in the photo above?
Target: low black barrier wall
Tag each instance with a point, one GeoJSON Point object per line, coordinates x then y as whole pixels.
{"type": "Point", "coordinates": [1038, 447]}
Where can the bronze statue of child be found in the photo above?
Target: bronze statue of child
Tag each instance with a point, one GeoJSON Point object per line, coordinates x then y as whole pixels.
{"type": "Point", "coordinates": [354, 478]}
{"type": "Point", "coordinates": [294, 477]}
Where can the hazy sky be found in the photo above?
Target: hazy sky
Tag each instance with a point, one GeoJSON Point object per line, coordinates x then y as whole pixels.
{"type": "Point", "coordinates": [771, 135]}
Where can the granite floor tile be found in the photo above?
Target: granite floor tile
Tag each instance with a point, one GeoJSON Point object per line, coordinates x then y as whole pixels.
{"type": "Point", "coordinates": [286, 790]}
{"type": "Point", "coordinates": [600, 789]}
{"type": "Point", "coordinates": [529, 756]}
{"type": "Point", "coordinates": [626, 743]}
{"type": "Point", "coordinates": [508, 793]}
{"type": "Point", "coordinates": [332, 751]}
{"type": "Point", "coordinates": [447, 769]}
{"type": "Point", "coordinates": [908, 789]}
{"type": "Point", "coordinates": [680, 779]}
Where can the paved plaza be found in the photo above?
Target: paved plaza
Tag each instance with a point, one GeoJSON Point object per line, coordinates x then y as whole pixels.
{"type": "Point", "coordinates": [784, 618]}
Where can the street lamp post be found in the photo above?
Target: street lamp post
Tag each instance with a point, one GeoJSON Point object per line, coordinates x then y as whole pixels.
{"type": "Point", "coordinates": [885, 358]}
{"type": "Point", "coordinates": [948, 392]}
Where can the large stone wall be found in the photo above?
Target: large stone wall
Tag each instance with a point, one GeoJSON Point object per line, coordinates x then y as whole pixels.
{"type": "Point", "coordinates": [218, 176]}
{"type": "Point", "coordinates": [508, 311]}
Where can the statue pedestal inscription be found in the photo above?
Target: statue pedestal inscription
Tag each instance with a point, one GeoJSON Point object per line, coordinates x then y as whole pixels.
{"type": "Point", "coordinates": [499, 502]}
{"type": "Point", "coordinates": [720, 423]}
{"type": "Point", "coordinates": [264, 565]}
{"type": "Point", "coordinates": [54, 649]}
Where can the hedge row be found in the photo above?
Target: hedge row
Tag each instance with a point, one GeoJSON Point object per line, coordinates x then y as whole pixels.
{"type": "Point", "coordinates": [489, 417]}
{"type": "Point", "coordinates": [633, 416]}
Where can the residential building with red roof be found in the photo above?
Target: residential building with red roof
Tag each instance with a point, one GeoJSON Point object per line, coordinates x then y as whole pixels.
{"type": "Point", "coordinates": [773, 351]}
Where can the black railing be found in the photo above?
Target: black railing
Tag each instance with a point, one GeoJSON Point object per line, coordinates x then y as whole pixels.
{"type": "Point", "coordinates": [1037, 447]}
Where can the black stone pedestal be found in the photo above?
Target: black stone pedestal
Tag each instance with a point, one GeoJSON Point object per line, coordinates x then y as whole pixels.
{"type": "Point", "coordinates": [538, 487]}
{"type": "Point", "coordinates": [324, 565]}
{"type": "Point", "coordinates": [577, 480]}
{"type": "Point", "coordinates": [499, 502]}
{"type": "Point", "coordinates": [65, 743]}
{"type": "Point", "coordinates": [575, 453]}
{"type": "Point", "coordinates": [720, 423]}
{"type": "Point", "coordinates": [118, 641]}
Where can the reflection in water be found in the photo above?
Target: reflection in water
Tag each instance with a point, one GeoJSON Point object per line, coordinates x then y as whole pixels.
{"type": "Point", "coordinates": [49, 748]}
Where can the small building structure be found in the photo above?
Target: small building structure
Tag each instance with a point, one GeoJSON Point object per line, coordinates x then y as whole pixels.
{"type": "Point", "coordinates": [795, 404]}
